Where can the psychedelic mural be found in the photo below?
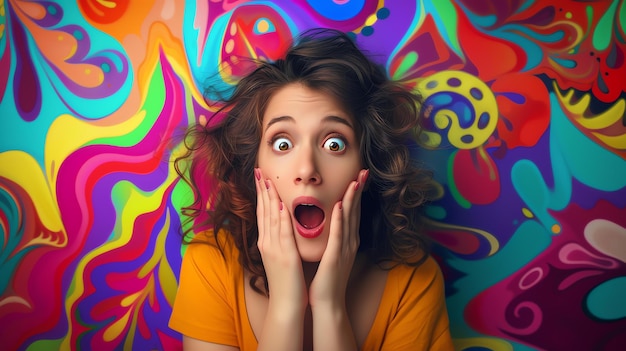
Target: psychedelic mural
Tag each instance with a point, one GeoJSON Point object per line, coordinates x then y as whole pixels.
{"type": "Point", "coordinates": [525, 131]}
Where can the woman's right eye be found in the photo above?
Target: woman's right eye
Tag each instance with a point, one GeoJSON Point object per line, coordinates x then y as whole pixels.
{"type": "Point", "coordinates": [281, 144]}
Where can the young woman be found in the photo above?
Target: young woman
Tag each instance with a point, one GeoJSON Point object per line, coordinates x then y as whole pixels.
{"type": "Point", "coordinates": [313, 238]}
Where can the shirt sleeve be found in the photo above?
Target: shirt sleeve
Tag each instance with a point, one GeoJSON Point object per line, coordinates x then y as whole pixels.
{"type": "Point", "coordinates": [203, 305]}
{"type": "Point", "coordinates": [421, 320]}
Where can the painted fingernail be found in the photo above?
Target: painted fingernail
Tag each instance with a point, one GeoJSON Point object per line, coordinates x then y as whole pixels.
{"type": "Point", "coordinates": [257, 174]}
{"type": "Point", "coordinates": [281, 206]}
{"type": "Point", "coordinates": [341, 204]}
{"type": "Point", "coordinates": [356, 186]}
{"type": "Point", "coordinates": [267, 184]}
{"type": "Point", "coordinates": [367, 173]}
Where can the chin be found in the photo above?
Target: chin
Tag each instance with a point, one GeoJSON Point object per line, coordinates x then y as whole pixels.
{"type": "Point", "coordinates": [311, 250]}
{"type": "Point", "coordinates": [311, 259]}
{"type": "Point", "coordinates": [311, 256]}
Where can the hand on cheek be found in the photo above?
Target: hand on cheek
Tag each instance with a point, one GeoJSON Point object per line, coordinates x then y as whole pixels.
{"type": "Point", "coordinates": [277, 246]}
{"type": "Point", "coordinates": [329, 285]}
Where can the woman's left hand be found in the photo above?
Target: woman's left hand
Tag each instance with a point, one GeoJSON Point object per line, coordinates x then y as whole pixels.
{"type": "Point", "coordinates": [328, 288]}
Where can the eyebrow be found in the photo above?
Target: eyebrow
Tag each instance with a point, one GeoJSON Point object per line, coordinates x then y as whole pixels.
{"type": "Point", "coordinates": [325, 119]}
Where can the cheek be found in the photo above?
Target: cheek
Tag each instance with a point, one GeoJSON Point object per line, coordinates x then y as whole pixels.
{"type": "Point", "coordinates": [283, 189]}
{"type": "Point", "coordinates": [268, 165]}
{"type": "Point", "coordinates": [271, 171]}
{"type": "Point", "coordinates": [341, 180]}
{"type": "Point", "coordinates": [344, 176]}
{"type": "Point", "coordinates": [264, 161]}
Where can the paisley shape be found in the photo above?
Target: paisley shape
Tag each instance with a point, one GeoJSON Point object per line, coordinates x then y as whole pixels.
{"type": "Point", "coordinates": [459, 105]}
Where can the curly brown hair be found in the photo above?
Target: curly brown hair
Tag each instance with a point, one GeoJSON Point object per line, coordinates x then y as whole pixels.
{"type": "Point", "coordinates": [221, 154]}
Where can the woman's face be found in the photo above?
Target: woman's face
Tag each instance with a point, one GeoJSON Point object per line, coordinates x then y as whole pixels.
{"type": "Point", "coordinates": [309, 149]}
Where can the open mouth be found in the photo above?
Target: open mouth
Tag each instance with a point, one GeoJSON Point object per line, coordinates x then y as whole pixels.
{"type": "Point", "coordinates": [310, 218]}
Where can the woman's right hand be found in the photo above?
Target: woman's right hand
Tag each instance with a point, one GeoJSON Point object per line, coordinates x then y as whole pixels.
{"type": "Point", "coordinates": [276, 242]}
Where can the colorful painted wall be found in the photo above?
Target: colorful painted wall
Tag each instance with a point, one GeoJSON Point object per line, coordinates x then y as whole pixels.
{"type": "Point", "coordinates": [525, 112]}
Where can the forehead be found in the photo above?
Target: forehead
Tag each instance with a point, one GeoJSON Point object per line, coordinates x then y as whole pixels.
{"type": "Point", "coordinates": [296, 100]}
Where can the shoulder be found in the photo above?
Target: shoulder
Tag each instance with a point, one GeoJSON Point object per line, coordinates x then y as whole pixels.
{"type": "Point", "coordinates": [419, 298]}
{"type": "Point", "coordinates": [207, 295]}
{"type": "Point", "coordinates": [424, 281]}
{"type": "Point", "coordinates": [210, 242]}
{"type": "Point", "coordinates": [210, 252]}
{"type": "Point", "coordinates": [427, 269]}
{"type": "Point", "coordinates": [412, 313]}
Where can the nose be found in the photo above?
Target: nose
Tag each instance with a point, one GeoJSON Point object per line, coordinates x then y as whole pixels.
{"type": "Point", "coordinates": [307, 171]}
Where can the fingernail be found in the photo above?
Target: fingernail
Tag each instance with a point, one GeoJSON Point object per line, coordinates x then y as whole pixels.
{"type": "Point", "coordinates": [257, 174]}
{"type": "Point", "coordinates": [267, 184]}
{"type": "Point", "coordinates": [341, 204]}
{"type": "Point", "coordinates": [281, 206]}
{"type": "Point", "coordinates": [367, 173]}
{"type": "Point", "coordinates": [356, 186]}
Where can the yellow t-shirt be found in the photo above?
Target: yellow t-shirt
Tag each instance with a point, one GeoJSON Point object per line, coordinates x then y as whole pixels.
{"type": "Point", "coordinates": [210, 304]}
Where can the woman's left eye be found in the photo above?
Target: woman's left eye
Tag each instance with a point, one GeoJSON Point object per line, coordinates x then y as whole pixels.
{"type": "Point", "coordinates": [335, 144]}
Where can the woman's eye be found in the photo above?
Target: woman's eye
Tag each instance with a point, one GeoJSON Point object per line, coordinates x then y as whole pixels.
{"type": "Point", "coordinates": [281, 144]}
{"type": "Point", "coordinates": [335, 144]}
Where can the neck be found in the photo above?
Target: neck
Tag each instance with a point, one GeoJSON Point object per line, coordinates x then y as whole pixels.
{"type": "Point", "coordinates": [309, 269]}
